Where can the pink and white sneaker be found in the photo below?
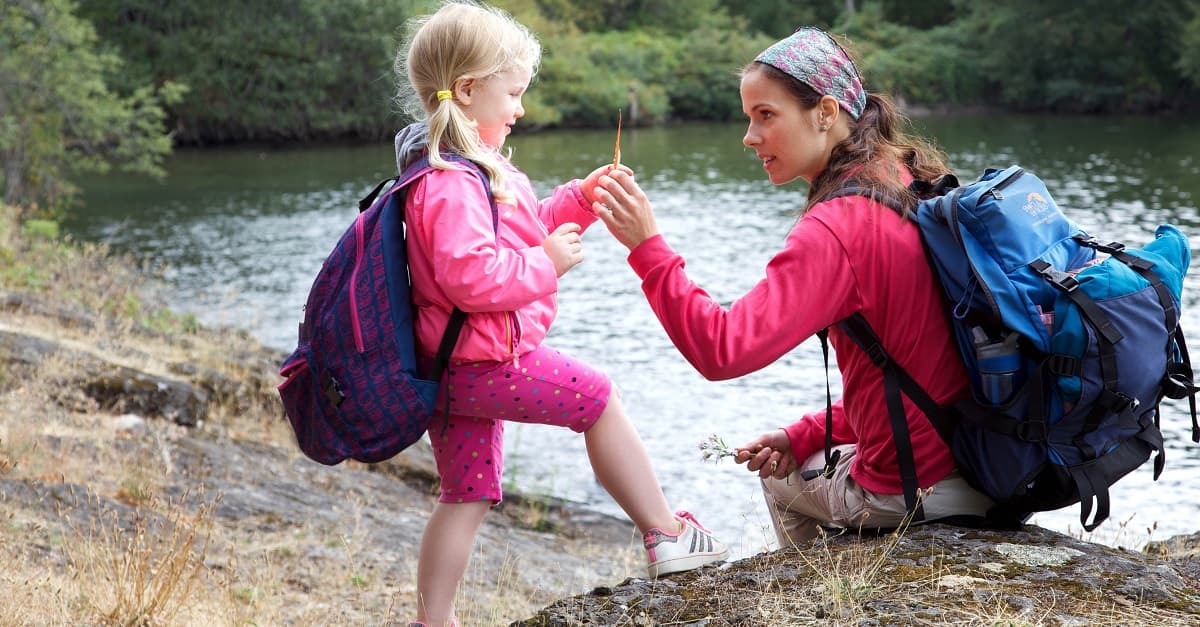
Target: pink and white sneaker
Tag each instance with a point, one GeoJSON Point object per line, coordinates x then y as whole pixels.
{"type": "Point", "coordinates": [690, 547]}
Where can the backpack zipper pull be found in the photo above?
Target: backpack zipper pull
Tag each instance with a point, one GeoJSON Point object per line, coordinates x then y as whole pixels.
{"type": "Point", "coordinates": [995, 191]}
{"type": "Point", "coordinates": [964, 302]}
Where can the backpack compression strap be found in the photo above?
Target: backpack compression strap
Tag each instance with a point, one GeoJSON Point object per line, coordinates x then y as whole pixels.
{"type": "Point", "coordinates": [1091, 482]}
{"type": "Point", "coordinates": [1178, 383]}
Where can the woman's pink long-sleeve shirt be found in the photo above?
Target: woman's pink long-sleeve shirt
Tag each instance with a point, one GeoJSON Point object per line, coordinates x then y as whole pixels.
{"type": "Point", "coordinates": [844, 255]}
{"type": "Point", "coordinates": [503, 278]}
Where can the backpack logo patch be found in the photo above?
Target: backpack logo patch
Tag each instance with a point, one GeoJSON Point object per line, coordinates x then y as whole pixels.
{"type": "Point", "coordinates": [1035, 204]}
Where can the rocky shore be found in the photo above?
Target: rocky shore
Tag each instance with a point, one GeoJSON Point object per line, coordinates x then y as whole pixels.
{"type": "Point", "coordinates": [119, 440]}
{"type": "Point", "coordinates": [148, 477]}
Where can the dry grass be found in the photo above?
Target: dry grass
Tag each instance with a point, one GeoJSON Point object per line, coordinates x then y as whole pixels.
{"type": "Point", "coordinates": [143, 570]}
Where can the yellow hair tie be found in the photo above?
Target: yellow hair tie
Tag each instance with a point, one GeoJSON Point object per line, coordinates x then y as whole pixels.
{"type": "Point", "coordinates": [444, 94]}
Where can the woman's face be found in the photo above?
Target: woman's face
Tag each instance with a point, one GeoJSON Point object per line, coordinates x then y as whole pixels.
{"type": "Point", "coordinates": [785, 136]}
{"type": "Point", "coordinates": [494, 103]}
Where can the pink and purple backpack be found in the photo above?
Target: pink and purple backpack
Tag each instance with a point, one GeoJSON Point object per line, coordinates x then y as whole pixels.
{"type": "Point", "coordinates": [352, 387]}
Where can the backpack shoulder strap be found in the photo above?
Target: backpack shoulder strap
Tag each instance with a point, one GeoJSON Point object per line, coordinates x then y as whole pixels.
{"type": "Point", "coordinates": [400, 183]}
{"type": "Point", "coordinates": [940, 186]}
{"type": "Point", "coordinates": [895, 381]}
{"type": "Point", "coordinates": [421, 167]}
{"type": "Point", "coordinates": [857, 190]}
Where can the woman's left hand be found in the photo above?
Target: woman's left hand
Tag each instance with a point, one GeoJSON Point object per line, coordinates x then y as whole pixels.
{"type": "Point", "coordinates": [770, 455]}
{"type": "Point", "coordinates": [624, 208]}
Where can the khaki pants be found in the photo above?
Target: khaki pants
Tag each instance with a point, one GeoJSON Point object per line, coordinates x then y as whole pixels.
{"type": "Point", "coordinates": [799, 507]}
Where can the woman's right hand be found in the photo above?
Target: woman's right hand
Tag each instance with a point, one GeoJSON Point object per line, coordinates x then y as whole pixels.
{"type": "Point", "coordinates": [770, 455]}
{"type": "Point", "coordinates": [624, 208]}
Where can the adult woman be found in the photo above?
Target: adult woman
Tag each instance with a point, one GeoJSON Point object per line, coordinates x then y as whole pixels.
{"type": "Point", "coordinates": [811, 118]}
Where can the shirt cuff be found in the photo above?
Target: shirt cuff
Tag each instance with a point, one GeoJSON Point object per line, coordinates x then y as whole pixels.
{"type": "Point", "coordinates": [800, 437]}
{"type": "Point", "coordinates": [645, 256]}
{"type": "Point", "coordinates": [574, 186]}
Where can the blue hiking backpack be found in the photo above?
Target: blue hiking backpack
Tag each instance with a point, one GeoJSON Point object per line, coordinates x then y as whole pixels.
{"type": "Point", "coordinates": [1068, 354]}
{"type": "Point", "coordinates": [352, 386]}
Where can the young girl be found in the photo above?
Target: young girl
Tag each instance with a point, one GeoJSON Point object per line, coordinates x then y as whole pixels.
{"type": "Point", "coordinates": [467, 67]}
{"type": "Point", "coordinates": [811, 118]}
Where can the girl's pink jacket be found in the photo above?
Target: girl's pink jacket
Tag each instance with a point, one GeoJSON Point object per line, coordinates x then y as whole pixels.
{"type": "Point", "coordinates": [503, 279]}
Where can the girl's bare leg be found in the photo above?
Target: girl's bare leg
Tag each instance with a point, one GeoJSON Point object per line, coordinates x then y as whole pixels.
{"type": "Point", "coordinates": [623, 467]}
{"type": "Point", "coordinates": [445, 550]}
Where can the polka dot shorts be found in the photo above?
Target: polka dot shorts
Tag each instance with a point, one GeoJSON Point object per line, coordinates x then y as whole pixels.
{"type": "Point", "coordinates": [545, 387]}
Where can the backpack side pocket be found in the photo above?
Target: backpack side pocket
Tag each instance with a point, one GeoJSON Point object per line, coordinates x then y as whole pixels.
{"type": "Point", "coordinates": [310, 409]}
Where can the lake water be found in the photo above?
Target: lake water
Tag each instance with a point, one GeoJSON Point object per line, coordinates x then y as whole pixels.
{"type": "Point", "coordinates": [239, 235]}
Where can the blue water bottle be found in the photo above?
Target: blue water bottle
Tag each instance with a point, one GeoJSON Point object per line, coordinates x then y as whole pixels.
{"type": "Point", "coordinates": [999, 366]}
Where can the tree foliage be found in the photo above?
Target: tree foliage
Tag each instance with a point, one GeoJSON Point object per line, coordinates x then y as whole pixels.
{"type": "Point", "coordinates": [915, 65]}
{"type": "Point", "coordinates": [1080, 56]}
{"type": "Point", "coordinates": [779, 19]}
{"type": "Point", "coordinates": [269, 70]}
{"type": "Point", "coordinates": [692, 76]}
{"type": "Point", "coordinates": [300, 70]}
{"type": "Point", "coordinates": [59, 111]}
{"type": "Point", "coordinates": [1189, 45]}
{"type": "Point", "coordinates": [668, 16]}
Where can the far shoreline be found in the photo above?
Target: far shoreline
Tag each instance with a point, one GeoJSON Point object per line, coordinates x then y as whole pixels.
{"type": "Point", "coordinates": [911, 111]}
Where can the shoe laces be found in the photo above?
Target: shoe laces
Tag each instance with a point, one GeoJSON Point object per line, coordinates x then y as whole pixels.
{"type": "Point", "coordinates": [687, 516]}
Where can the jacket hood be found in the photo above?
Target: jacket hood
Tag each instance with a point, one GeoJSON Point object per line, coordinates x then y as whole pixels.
{"type": "Point", "coordinates": [411, 143]}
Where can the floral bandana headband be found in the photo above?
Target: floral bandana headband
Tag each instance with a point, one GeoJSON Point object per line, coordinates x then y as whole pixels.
{"type": "Point", "coordinates": [812, 57]}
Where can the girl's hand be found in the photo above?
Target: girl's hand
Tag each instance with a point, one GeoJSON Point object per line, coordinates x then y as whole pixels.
{"type": "Point", "coordinates": [564, 247]}
{"type": "Point", "coordinates": [588, 185]}
{"type": "Point", "coordinates": [770, 455]}
{"type": "Point", "coordinates": [624, 208]}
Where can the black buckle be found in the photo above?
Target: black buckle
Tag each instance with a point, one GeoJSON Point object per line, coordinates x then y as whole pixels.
{"type": "Point", "coordinates": [333, 391]}
{"type": "Point", "coordinates": [1060, 279]}
{"type": "Point", "coordinates": [1110, 248]}
{"type": "Point", "coordinates": [877, 355]}
{"type": "Point", "coordinates": [1118, 402]}
{"type": "Point", "coordinates": [1177, 383]}
{"type": "Point", "coordinates": [1063, 365]}
{"type": "Point", "coordinates": [826, 472]}
{"type": "Point", "coordinates": [1032, 431]}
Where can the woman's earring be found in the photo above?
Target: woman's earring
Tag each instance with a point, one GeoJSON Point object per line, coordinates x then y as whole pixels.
{"type": "Point", "coordinates": [824, 127]}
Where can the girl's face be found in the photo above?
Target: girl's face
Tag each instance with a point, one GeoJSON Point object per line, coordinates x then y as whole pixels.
{"type": "Point", "coordinates": [785, 136]}
{"type": "Point", "coordinates": [494, 103]}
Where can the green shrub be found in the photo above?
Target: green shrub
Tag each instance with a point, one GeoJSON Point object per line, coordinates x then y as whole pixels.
{"type": "Point", "coordinates": [43, 229]}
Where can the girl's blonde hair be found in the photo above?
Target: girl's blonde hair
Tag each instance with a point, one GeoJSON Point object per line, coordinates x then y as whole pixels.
{"type": "Point", "coordinates": [462, 40]}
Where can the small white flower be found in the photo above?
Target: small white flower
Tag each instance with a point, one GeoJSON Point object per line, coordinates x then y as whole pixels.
{"type": "Point", "coordinates": [715, 448]}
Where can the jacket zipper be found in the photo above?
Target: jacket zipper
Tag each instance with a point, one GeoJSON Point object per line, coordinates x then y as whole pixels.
{"type": "Point", "coordinates": [355, 325]}
{"type": "Point", "coordinates": [514, 338]}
